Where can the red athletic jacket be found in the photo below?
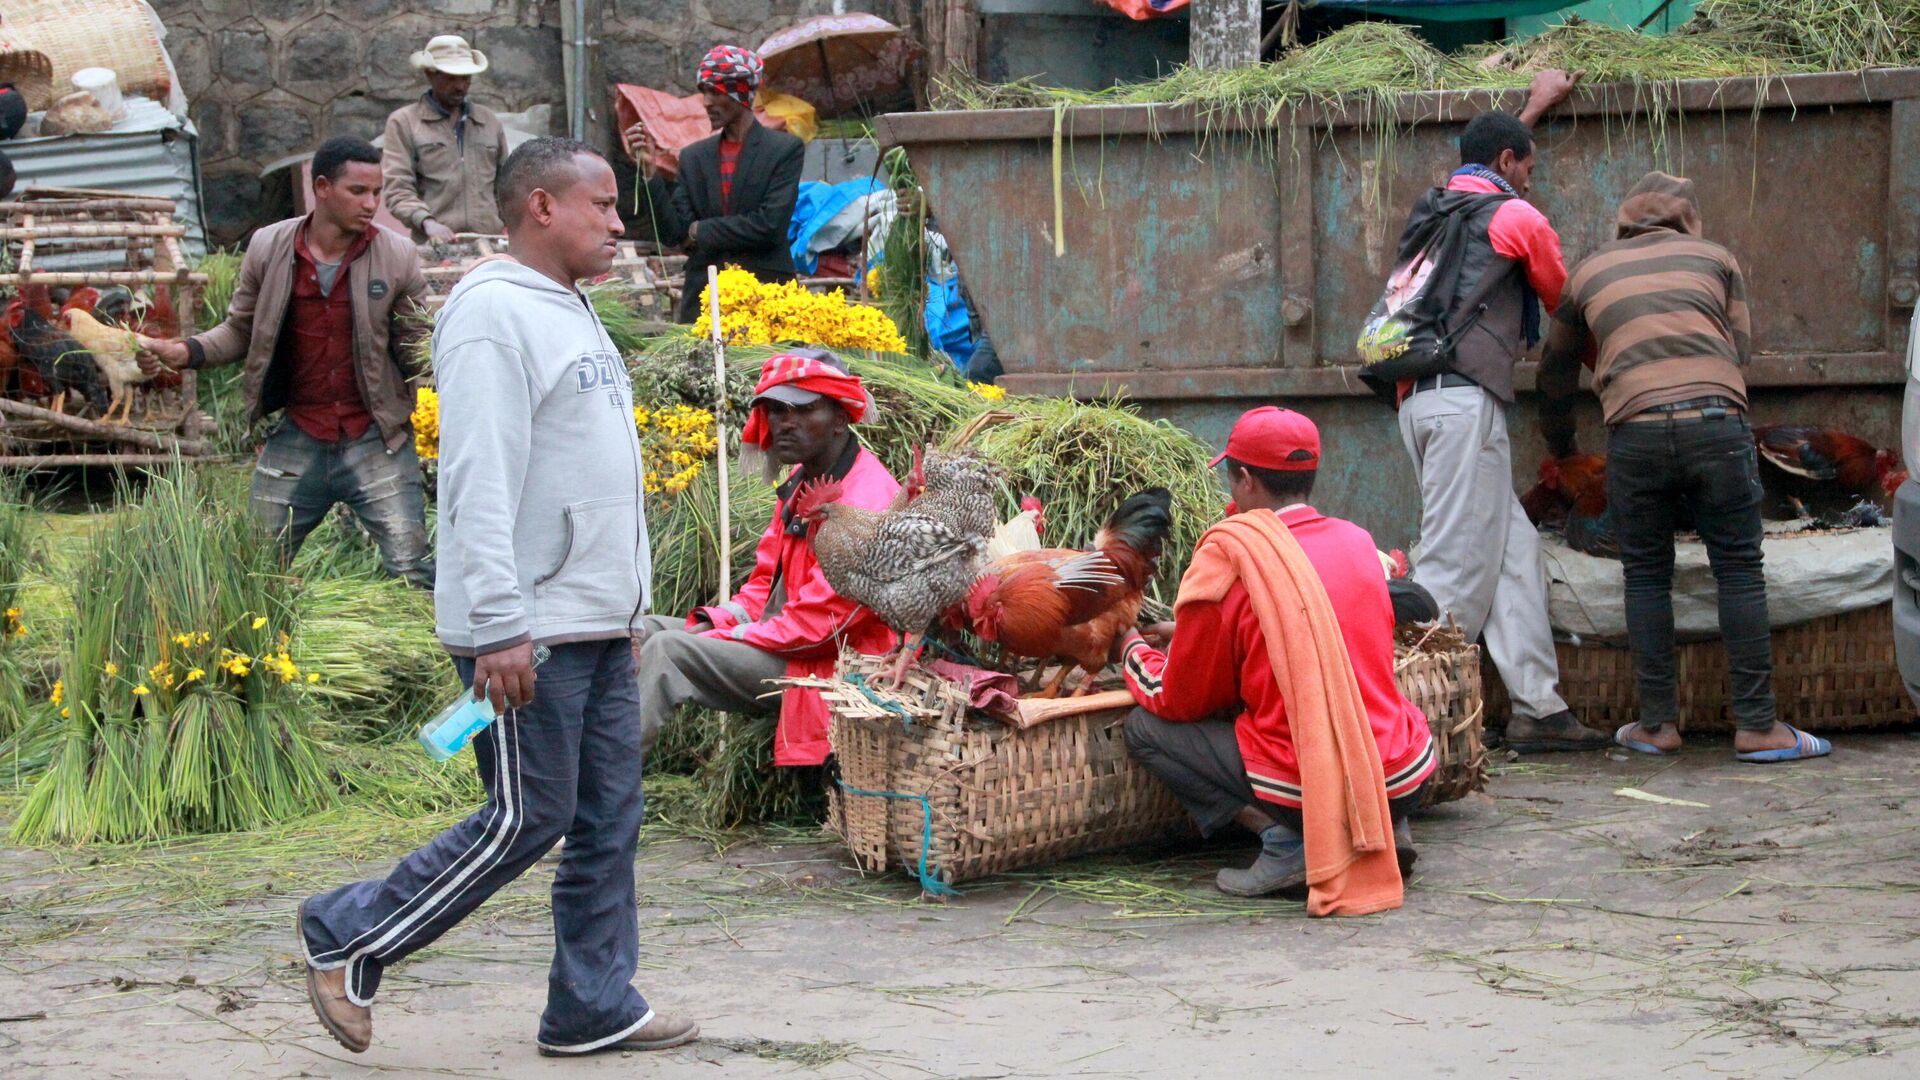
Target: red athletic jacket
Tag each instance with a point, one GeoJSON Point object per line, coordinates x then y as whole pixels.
{"type": "Point", "coordinates": [1218, 660]}
{"type": "Point", "coordinates": [810, 626]}
{"type": "Point", "coordinates": [1519, 231]}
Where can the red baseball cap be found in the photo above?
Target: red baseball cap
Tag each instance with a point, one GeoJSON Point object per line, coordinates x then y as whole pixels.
{"type": "Point", "coordinates": [1270, 437]}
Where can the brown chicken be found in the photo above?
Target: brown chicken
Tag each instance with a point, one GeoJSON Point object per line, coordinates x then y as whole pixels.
{"type": "Point", "coordinates": [1816, 472]}
{"type": "Point", "coordinates": [1071, 606]}
{"type": "Point", "coordinates": [913, 561]}
{"type": "Point", "coordinates": [1572, 494]}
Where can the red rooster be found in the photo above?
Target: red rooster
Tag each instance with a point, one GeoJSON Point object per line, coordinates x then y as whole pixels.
{"type": "Point", "coordinates": [62, 363]}
{"type": "Point", "coordinates": [1061, 604]}
{"type": "Point", "coordinates": [1572, 493]}
{"type": "Point", "coordinates": [1819, 472]}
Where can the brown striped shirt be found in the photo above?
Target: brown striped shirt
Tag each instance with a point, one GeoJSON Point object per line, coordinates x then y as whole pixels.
{"type": "Point", "coordinates": [1669, 314]}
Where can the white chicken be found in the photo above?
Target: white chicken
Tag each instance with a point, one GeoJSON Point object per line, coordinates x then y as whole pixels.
{"type": "Point", "coordinates": [115, 352]}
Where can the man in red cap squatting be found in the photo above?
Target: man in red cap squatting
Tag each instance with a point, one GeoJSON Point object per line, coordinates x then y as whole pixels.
{"type": "Point", "coordinates": [734, 196]}
{"type": "Point", "coordinates": [786, 621]}
{"type": "Point", "coordinates": [1285, 617]}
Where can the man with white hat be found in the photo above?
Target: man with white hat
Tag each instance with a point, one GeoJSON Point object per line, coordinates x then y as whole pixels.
{"type": "Point", "coordinates": [442, 151]}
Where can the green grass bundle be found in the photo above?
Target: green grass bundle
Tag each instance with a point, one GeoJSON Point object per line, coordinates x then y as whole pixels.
{"type": "Point", "coordinates": [685, 528]}
{"type": "Point", "coordinates": [17, 619]}
{"type": "Point", "coordinates": [222, 267]}
{"type": "Point", "coordinates": [1081, 460]}
{"type": "Point", "coordinates": [1815, 35]}
{"type": "Point", "coordinates": [179, 708]}
{"type": "Point", "coordinates": [386, 671]}
{"type": "Point", "coordinates": [1612, 54]}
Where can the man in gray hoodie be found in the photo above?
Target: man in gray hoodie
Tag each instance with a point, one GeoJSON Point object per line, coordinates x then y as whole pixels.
{"type": "Point", "coordinates": [543, 541]}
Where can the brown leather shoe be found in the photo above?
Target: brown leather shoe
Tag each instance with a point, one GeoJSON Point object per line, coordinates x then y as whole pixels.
{"type": "Point", "coordinates": [659, 1033]}
{"type": "Point", "coordinates": [351, 1025]}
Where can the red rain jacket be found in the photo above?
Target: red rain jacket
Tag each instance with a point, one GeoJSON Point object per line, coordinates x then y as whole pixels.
{"type": "Point", "coordinates": [810, 627]}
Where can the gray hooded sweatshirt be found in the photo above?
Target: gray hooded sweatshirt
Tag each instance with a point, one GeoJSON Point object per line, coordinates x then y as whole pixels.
{"type": "Point", "coordinates": [543, 531]}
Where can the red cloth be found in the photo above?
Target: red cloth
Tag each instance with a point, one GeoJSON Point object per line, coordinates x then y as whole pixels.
{"type": "Point", "coordinates": [729, 164]}
{"type": "Point", "coordinates": [1519, 231]}
{"type": "Point", "coordinates": [809, 628]}
{"type": "Point", "coordinates": [1218, 659]}
{"type": "Point", "coordinates": [324, 392]}
{"type": "Point", "coordinates": [808, 374]}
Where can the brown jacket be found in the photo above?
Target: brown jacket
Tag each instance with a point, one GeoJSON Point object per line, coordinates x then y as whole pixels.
{"type": "Point", "coordinates": [432, 175]}
{"type": "Point", "coordinates": [389, 319]}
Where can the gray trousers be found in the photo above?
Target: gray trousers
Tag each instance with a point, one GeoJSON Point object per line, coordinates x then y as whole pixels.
{"type": "Point", "coordinates": [567, 765]}
{"type": "Point", "coordinates": [1201, 764]}
{"type": "Point", "coordinates": [1479, 555]}
{"type": "Point", "coordinates": [298, 479]}
{"type": "Point", "coordinates": [678, 668]}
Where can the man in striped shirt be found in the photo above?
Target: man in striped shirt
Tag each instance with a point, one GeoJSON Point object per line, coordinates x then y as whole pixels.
{"type": "Point", "coordinates": [1661, 314]}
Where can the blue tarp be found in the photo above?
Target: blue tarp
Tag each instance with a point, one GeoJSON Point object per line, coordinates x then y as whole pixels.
{"type": "Point", "coordinates": [947, 324]}
{"type": "Point", "coordinates": [817, 205]}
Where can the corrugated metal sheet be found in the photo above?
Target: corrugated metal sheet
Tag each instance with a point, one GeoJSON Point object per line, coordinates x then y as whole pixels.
{"type": "Point", "coordinates": [151, 152]}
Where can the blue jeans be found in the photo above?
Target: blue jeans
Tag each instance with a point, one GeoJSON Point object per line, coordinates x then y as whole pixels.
{"type": "Point", "coordinates": [298, 479]}
{"type": "Point", "coordinates": [566, 765]}
{"type": "Point", "coordinates": [1657, 473]}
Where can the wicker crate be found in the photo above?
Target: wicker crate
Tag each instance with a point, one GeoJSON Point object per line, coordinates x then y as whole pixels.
{"type": "Point", "coordinates": [924, 789]}
{"type": "Point", "coordinates": [1832, 674]}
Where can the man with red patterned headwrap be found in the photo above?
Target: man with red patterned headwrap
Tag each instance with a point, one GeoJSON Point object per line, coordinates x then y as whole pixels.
{"type": "Point", "coordinates": [733, 199]}
{"type": "Point", "coordinates": [786, 621]}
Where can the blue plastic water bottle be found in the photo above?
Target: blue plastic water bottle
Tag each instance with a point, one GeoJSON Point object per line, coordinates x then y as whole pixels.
{"type": "Point", "coordinates": [453, 727]}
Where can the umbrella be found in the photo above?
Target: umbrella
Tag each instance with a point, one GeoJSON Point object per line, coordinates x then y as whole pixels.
{"type": "Point", "coordinates": [842, 63]}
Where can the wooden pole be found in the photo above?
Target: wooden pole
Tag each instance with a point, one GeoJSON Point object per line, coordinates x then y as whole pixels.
{"type": "Point", "coordinates": [1224, 33]}
{"type": "Point", "coordinates": [52, 461]}
{"type": "Point", "coordinates": [146, 440]}
{"type": "Point", "coordinates": [720, 433]}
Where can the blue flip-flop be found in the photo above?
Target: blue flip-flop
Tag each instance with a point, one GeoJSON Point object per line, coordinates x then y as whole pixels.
{"type": "Point", "coordinates": [1804, 746]}
{"type": "Point", "coordinates": [1636, 745]}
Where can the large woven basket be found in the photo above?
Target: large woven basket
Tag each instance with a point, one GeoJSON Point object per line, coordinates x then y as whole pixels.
{"type": "Point", "coordinates": [1836, 673]}
{"type": "Point", "coordinates": [926, 789]}
{"type": "Point", "coordinates": [28, 69]}
{"type": "Point", "coordinates": [118, 34]}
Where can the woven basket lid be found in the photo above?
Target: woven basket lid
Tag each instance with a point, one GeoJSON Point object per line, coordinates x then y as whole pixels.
{"type": "Point", "coordinates": [75, 34]}
{"type": "Point", "coordinates": [28, 69]}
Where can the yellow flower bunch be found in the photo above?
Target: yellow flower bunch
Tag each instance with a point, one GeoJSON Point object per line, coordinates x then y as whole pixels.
{"type": "Point", "coordinates": [12, 626]}
{"type": "Point", "coordinates": [755, 313]}
{"type": "Point", "coordinates": [426, 423]}
{"type": "Point", "coordinates": [988, 391]}
{"type": "Point", "coordinates": [675, 443]}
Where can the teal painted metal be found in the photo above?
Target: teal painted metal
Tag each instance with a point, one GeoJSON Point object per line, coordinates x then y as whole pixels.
{"type": "Point", "coordinates": [1209, 267]}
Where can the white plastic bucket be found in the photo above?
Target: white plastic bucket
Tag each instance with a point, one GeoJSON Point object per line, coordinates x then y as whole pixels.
{"type": "Point", "coordinates": [104, 85]}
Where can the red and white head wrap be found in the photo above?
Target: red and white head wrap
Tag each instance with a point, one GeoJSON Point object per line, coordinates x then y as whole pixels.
{"type": "Point", "coordinates": [813, 373]}
{"type": "Point", "coordinates": [733, 71]}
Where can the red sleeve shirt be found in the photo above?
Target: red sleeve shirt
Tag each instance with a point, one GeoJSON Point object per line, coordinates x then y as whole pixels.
{"type": "Point", "coordinates": [729, 164]}
{"type": "Point", "coordinates": [1519, 231]}
{"type": "Point", "coordinates": [1218, 660]}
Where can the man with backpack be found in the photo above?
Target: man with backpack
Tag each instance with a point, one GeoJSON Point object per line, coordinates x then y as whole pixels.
{"type": "Point", "coordinates": [1491, 259]}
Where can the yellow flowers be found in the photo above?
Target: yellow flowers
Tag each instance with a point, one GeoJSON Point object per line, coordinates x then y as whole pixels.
{"type": "Point", "coordinates": [196, 674]}
{"type": "Point", "coordinates": [112, 668]}
{"type": "Point", "coordinates": [988, 391]}
{"type": "Point", "coordinates": [675, 443]}
{"type": "Point", "coordinates": [238, 665]}
{"type": "Point", "coordinates": [12, 626]}
{"type": "Point", "coordinates": [141, 690]}
{"type": "Point", "coordinates": [753, 313]}
{"type": "Point", "coordinates": [259, 622]}
{"type": "Point", "coordinates": [426, 423]}
{"type": "Point", "coordinates": [59, 692]}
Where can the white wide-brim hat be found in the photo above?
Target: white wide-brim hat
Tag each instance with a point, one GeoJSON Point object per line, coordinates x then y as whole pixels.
{"type": "Point", "coordinates": [450, 54]}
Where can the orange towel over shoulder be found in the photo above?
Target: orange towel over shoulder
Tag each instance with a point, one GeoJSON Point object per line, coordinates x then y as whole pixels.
{"type": "Point", "coordinates": [1351, 868]}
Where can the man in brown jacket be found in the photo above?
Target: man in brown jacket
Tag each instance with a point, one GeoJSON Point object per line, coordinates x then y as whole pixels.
{"type": "Point", "coordinates": [328, 315]}
{"type": "Point", "coordinates": [443, 151]}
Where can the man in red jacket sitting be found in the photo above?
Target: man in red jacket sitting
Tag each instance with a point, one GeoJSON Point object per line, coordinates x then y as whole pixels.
{"type": "Point", "coordinates": [786, 621]}
{"type": "Point", "coordinates": [1245, 768]}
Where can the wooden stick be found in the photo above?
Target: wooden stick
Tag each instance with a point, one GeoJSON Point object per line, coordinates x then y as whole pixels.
{"type": "Point", "coordinates": [720, 430]}
{"type": "Point", "coordinates": [25, 266]}
{"type": "Point", "coordinates": [148, 440]}
{"type": "Point", "coordinates": [50, 461]}
{"type": "Point", "coordinates": [53, 230]}
{"type": "Point", "coordinates": [97, 277]}
{"type": "Point", "coordinates": [65, 204]}
{"type": "Point", "coordinates": [1036, 711]}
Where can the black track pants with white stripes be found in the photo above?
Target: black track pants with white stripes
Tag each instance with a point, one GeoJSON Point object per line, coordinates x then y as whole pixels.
{"type": "Point", "coordinates": [566, 765]}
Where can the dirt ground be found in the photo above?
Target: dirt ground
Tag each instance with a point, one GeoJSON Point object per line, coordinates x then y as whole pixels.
{"type": "Point", "coordinates": [1555, 928]}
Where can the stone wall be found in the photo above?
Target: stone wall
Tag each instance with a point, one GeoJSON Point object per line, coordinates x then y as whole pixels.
{"type": "Point", "coordinates": [266, 80]}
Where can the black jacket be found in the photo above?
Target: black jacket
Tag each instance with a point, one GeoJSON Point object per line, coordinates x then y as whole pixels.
{"type": "Point", "coordinates": [766, 182]}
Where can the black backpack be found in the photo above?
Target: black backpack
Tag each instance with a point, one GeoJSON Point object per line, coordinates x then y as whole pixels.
{"type": "Point", "coordinates": [1407, 335]}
